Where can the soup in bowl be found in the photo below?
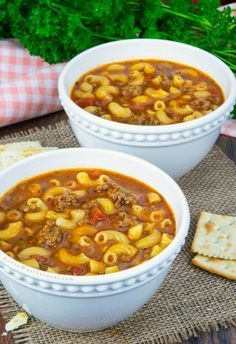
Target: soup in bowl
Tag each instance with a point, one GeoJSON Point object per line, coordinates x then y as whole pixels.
{"type": "Point", "coordinates": [84, 222]}
{"type": "Point", "coordinates": [87, 235]}
{"type": "Point", "coordinates": [147, 92]}
{"type": "Point", "coordinates": [171, 117]}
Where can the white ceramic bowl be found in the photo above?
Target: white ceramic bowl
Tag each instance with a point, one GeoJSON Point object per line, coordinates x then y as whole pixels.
{"type": "Point", "coordinates": [175, 148]}
{"type": "Point", "coordinates": [83, 303]}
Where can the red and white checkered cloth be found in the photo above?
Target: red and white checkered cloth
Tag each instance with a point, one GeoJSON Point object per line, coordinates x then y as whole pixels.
{"type": "Point", "coordinates": [28, 86]}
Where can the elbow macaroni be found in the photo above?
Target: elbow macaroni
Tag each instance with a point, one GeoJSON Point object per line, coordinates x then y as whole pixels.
{"type": "Point", "coordinates": [140, 99]}
{"type": "Point", "coordinates": [156, 215]}
{"type": "Point", "coordinates": [103, 237]}
{"type": "Point", "coordinates": [12, 230]}
{"type": "Point", "coordinates": [116, 251]}
{"type": "Point", "coordinates": [153, 197]}
{"type": "Point", "coordinates": [86, 87]}
{"type": "Point", "coordinates": [136, 78]}
{"type": "Point", "coordinates": [106, 92]}
{"type": "Point", "coordinates": [84, 230]}
{"type": "Point", "coordinates": [70, 259]}
{"type": "Point", "coordinates": [178, 80]}
{"type": "Point", "coordinates": [146, 67]}
{"type": "Point", "coordinates": [28, 252]}
{"type": "Point", "coordinates": [118, 77]}
{"type": "Point", "coordinates": [165, 223]}
{"type": "Point", "coordinates": [14, 215]}
{"type": "Point", "coordinates": [149, 241]}
{"type": "Point", "coordinates": [135, 232]}
{"type": "Point", "coordinates": [84, 179]}
{"type": "Point", "coordinates": [53, 215]}
{"type": "Point", "coordinates": [76, 216]}
{"type": "Point", "coordinates": [158, 94]}
{"type": "Point", "coordinates": [163, 118]}
{"type": "Point", "coordinates": [180, 110]}
{"type": "Point", "coordinates": [115, 66]}
{"type": "Point", "coordinates": [82, 94]}
{"type": "Point", "coordinates": [52, 192]}
{"type": "Point", "coordinates": [97, 80]}
{"type": "Point", "coordinates": [159, 105]}
{"type": "Point", "coordinates": [96, 267]}
{"type": "Point", "coordinates": [31, 262]}
{"type": "Point", "coordinates": [119, 111]}
{"type": "Point", "coordinates": [106, 204]}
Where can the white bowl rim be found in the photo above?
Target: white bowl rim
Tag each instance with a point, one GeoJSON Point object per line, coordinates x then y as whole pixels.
{"type": "Point", "coordinates": [105, 278]}
{"type": "Point", "coordinates": [149, 129]}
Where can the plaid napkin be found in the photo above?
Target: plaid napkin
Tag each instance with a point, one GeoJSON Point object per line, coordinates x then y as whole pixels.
{"type": "Point", "coordinates": [28, 86]}
{"type": "Point", "coordinates": [229, 128]}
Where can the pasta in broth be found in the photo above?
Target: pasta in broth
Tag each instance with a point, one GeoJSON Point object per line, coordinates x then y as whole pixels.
{"type": "Point", "coordinates": [147, 92]}
{"type": "Point", "coordinates": [84, 222]}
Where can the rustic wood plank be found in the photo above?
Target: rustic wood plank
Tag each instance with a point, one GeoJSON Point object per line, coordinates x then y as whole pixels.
{"type": "Point", "coordinates": [223, 336]}
{"type": "Point", "coordinates": [8, 339]}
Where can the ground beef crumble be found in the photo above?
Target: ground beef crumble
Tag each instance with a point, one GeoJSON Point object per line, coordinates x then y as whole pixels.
{"type": "Point", "coordinates": [49, 235]}
{"type": "Point", "coordinates": [199, 104]}
{"type": "Point", "coordinates": [68, 200]}
{"type": "Point", "coordinates": [126, 220]}
{"type": "Point", "coordinates": [103, 187]}
{"type": "Point", "coordinates": [133, 91]}
{"type": "Point", "coordinates": [117, 194]}
{"type": "Point", "coordinates": [144, 119]}
{"type": "Point", "coordinates": [121, 197]}
{"type": "Point", "coordinates": [166, 81]}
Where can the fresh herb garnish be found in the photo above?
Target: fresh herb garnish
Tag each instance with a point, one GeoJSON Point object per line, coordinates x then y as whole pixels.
{"type": "Point", "coordinates": [57, 30]}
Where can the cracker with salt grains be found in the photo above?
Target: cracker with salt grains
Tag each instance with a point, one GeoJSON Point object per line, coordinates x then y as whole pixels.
{"type": "Point", "coordinates": [222, 267]}
{"type": "Point", "coordinates": [13, 152]}
{"type": "Point", "coordinates": [215, 236]}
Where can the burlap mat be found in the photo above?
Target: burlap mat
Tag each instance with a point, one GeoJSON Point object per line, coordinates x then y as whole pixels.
{"type": "Point", "coordinates": [189, 301]}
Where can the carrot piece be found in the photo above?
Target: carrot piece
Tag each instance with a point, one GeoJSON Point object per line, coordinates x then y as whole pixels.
{"type": "Point", "coordinates": [34, 188]}
{"type": "Point", "coordinates": [97, 215]}
{"type": "Point", "coordinates": [213, 90]}
{"type": "Point", "coordinates": [96, 174]}
{"type": "Point", "coordinates": [85, 102]}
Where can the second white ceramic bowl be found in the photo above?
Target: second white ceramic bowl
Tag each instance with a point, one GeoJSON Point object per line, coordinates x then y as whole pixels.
{"type": "Point", "coordinates": [175, 148]}
{"type": "Point", "coordinates": [83, 303]}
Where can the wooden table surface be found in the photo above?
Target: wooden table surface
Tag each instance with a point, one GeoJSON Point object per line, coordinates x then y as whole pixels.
{"type": "Point", "coordinates": [228, 145]}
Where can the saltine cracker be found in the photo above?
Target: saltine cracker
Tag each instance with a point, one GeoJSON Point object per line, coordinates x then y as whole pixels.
{"type": "Point", "coordinates": [215, 236]}
{"type": "Point", "coordinates": [221, 267]}
{"type": "Point", "coordinates": [13, 152]}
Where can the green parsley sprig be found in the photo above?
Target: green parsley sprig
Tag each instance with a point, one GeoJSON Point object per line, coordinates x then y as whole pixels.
{"type": "Point", "coordinates": [57, 30]}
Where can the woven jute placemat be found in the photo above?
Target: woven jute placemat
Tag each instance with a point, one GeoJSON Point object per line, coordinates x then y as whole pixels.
{"type": "Point", "coordinates": [189, 301]}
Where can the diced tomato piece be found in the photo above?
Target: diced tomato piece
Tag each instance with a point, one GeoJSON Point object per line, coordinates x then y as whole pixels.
{"type": "Point", "coordinates": [96, 174]}
{"type": "Point", "coordinates": [78, 270]}
{"type": "Point", "coordinates": [213, 90]}
{"type": "Point", "coordinates": [167, 230]}
{"type": "Point", "coordinates": [34, 188]}
{"type": "Point", "coordinates": [102, 103]}
{"type": "Point", "coordinates": [40, 259]}
{"type": "Point", "coordinates": [137, 106]}
{"type": "Point", "coordinates": [84, 102]}
{"type": "Point", "coordinates": [97, 215]}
